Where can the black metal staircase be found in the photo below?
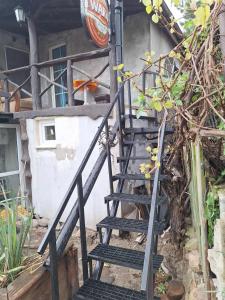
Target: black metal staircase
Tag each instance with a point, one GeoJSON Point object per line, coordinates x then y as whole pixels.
{"type": "Point", "coordinates": [147, 261]}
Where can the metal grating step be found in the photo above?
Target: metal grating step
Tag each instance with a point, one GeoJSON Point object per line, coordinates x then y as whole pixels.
{"type": "Point", "coordinates": [149, 118]}
{"type": "Point", "coordinates": [146, 130]}
{"type": "Point", "coordinates": [123, 257]}
{"type": "Point", "coordinates": [142, 199]}
{"type": "Point", "coordinates": [137, 177]}
{"type": "Point", "coordinates": [129, 225]}
{"type": "Point", "coordinates": [123, 158]}
{"type": "Point", "coordinates": [141, 142]}
{"type": "Point", "coordinates": [98, 290]}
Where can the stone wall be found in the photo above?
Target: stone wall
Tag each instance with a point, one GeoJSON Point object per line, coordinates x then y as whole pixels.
{"type": "Point", "coordinates": [217, 254]}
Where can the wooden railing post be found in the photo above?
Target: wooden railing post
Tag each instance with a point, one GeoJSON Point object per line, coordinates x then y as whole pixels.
{"type": "Point", "coordinates": [35, 82]}
{"type": "Point", "coordinates": [6, 90]}
{"type": "Point", "coordinates": [71, 101]}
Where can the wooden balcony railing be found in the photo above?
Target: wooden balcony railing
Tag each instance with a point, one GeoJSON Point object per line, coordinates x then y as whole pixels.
{"type": "Point", "coordinates": [10, 89]}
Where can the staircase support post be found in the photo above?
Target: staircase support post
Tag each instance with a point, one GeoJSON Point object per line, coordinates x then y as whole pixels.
{"type": "Point", "coordinates": [54, 266]}
{"type": "Point", "coordinates": [82, 228]}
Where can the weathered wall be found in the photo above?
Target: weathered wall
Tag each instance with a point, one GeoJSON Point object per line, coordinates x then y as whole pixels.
{"type": "Point", "coordinates": [53, 169]}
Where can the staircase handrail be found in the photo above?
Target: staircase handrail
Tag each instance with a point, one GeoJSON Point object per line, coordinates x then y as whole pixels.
{"type": "Point", "coordinates": [74, 183]}
{"type": "Point", "coordinates": [147, 282]}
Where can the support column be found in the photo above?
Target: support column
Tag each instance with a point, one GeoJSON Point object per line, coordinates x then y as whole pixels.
{"type": "Point", "coordinates": [35, 82]}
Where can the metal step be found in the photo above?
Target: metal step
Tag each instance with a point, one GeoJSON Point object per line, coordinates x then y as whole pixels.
{"type": "Point", "coordinates": [151, 130]}
{"type": "Point", "coordinates": [98, 290]}
{"type": "Point", "coordinates": [123, 257]}
{"type": "Point", "coordinates": [141, 199]}
{"type": "Point", "coordinates": [137, 177]}
{"type": "Point", "coordinates": [123, 158]}
{"type": "Point", "coordinates": [129, 225]}
{"type": "Point", "coordinates": [146, 142]}
{"type": "Point", "coordinates": [148, 118]}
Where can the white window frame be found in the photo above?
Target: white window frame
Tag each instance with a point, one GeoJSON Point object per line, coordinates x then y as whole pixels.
{"type": "Point", "coordinates": [19, 151]}
{"type": "Point", "coordinates": [52, 70]}
{"type": "Point", "coordinates": [43, 143]}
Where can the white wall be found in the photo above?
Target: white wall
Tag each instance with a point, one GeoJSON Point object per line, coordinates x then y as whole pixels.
{"type": "Point", "coordinates": [53, 169]}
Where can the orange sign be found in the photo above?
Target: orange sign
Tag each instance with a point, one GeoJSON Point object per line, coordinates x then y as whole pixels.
{"type": "Point", "coordinates": [95, 16]}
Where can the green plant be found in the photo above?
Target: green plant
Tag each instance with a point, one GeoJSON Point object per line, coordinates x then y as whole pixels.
{"type": "Point", "coordinates": [212, 213]}
{"type": "Point", "coordinates": [161, 288]}
{"type": "Point", "coordinates": [15, 223]}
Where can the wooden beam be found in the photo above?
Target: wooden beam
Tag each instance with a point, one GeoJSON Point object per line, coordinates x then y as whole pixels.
{"type": "Point", "coordinates": [70, 82]}
{"type": "Point", "coordinates": [52, 82]}
{"type": "Point", "coordinates": [91, 77]}
{"type": "Point", "coordinates": [77, 57]}
{"type": "Point", "coordinates": [74, 58]}
{"type": "Point", "coordinates": [35, 84]}
{"type": "Point", "coordinates": [209, 132]}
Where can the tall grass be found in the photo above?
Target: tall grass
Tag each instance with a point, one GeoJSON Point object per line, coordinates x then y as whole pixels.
{"type": "Point", "coordinates": [15, 223]}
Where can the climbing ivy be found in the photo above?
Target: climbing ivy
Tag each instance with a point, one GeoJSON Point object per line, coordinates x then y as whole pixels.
{"type": "Point", "coordinates": [212, 213]}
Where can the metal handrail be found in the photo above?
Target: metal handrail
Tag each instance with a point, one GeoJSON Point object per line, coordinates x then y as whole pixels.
{"type": "Point", "coordinates": [147, 282]}
{"type": "Point", "coordinates": [71, 189]}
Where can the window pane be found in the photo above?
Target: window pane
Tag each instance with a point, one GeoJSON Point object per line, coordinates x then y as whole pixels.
{"type": "Point", "coordinates": [8, 150]}
{"type": "Point", "coordinates": [61, 96]}
{"type": "Point", "coordinates": [50, 133]}
{"type": "Point", "coordinates": [9, 187]}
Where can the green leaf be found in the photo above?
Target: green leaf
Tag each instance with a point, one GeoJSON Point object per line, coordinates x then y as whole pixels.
{"type": "Point", "coordinates": [157, 106]}
{"type": "Point", "coordinates": [119, 79]}
{"type": "Point", "coordinates": [169, 104]}
{"type": "Point", "coordinates": [179, 102]}
{"type": "Point", "coordinates": [202, 15]}
{"type": "Point", "coordinates": [157, 4]}
{"type": "Point", "coordinates": [119, 67]}
{"type": "Point", "coordinates": [155, 18]}
{"type": "Point", "coordinates": [146, 2]}
{"type": "Point", "coordinates": [149, 9]}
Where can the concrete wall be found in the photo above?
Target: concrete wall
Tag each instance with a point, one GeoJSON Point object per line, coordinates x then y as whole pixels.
{"type": "Point", "coordinates": [54, 168]}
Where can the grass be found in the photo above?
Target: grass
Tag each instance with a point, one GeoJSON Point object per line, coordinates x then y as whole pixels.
{"type": "Point", "coordinates": [15, 223]}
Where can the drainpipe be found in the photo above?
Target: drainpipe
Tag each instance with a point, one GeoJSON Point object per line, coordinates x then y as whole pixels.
{"type": "Point", "coordinates": [119, 40]}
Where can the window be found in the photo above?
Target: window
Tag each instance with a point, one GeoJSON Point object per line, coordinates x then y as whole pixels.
{"type": "Point", "coordinates": [9, 162]}
{"type": "Point", "coordinates": [60, 95]}
{"type": "Point", "coordinates": [47, 134]}
{"type": "Point", "coordinates": [16, 58]}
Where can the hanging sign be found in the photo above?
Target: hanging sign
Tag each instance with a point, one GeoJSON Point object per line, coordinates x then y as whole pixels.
{"type": "Point", "coordinates": [95, 17]}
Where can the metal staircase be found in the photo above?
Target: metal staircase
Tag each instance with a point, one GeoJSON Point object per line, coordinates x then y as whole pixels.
{"type": "Point", "coordinates": [149, 262]}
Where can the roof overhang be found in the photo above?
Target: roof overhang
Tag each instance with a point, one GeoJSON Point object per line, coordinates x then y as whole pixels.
{"type": "Point", "coordinates": [58, 15]}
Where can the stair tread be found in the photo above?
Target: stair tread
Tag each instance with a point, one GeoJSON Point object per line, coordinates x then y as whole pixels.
{"type": "Point", "coordinates": [98, 290]}
{"type": "Point", "coordinates": [142, 130]}
{"type": "Point", "coordinates": [133, 158]}
{"type": "Point", "coordinates": [138, 177]}
{"type": "Point", "coordinates": [142, 199]}
{"type": "Point", "coordinates": [146, 142]}
{"type": "Point", "coordinates": [129, 225]}
{"type": "Point", "coordinates": [123, 257]}
{"type": "Point", "coordinates": [149, 118]}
